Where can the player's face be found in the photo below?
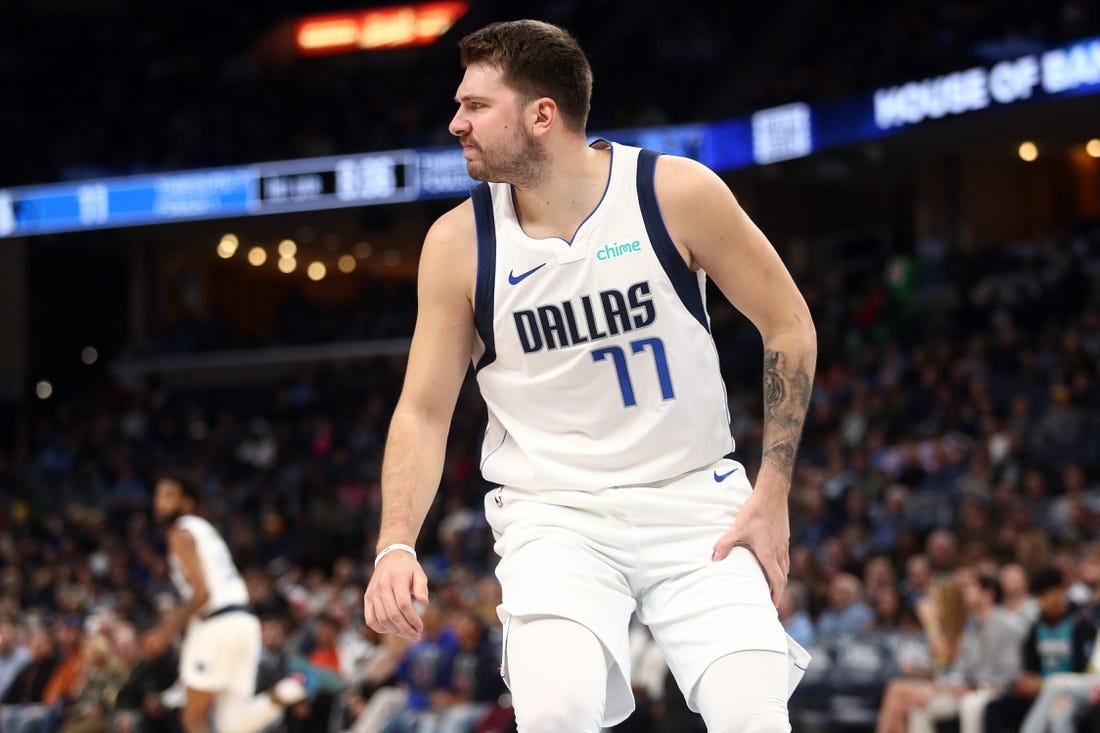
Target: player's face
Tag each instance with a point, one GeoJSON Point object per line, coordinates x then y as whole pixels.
{"type": "Point", "coordinates": [167, 502]}
{"type": "Point", "coordinates": [491, 124]}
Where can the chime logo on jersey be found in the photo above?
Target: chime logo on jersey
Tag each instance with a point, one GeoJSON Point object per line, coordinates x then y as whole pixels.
{"type": "Point", "coordinates": [584, 319]}
{"type": "Point", "coordinates": [618, 249]}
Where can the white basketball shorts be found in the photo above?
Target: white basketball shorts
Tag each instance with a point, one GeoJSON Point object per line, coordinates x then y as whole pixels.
{"type": "Point", "coordinates": [221, 654]}
{"type": "Point", "coordinates": [595, 557]}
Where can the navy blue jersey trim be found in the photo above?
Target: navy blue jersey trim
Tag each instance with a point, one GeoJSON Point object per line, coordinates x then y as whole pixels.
{"type": "Point", "coordinates": [685, 282]}
{"type": "Point", "coordinates": [486, 272]}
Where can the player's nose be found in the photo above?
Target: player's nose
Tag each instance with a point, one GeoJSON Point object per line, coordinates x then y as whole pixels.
{"type": "Point", "coordinates": [460, 124]}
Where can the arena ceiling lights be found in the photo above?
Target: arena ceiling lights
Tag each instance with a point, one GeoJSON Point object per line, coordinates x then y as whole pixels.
{"type": "Point", "coordinates": [395, 26]}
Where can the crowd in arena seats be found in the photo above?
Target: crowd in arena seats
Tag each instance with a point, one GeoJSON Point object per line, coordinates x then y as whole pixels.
{"type": "Point", "coordinates": [125, 87]}
{"type": "Point", "coordinates": [940, 452]}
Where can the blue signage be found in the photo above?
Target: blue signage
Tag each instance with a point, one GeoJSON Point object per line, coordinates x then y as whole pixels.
{"type": "Point", "coordinates": [766, 136]}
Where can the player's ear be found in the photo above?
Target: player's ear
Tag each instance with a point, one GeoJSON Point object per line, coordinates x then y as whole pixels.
{"type": "Point", "coordinates": [543, 115]}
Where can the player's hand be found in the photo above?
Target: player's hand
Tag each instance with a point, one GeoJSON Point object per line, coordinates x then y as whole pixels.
{"type": "Point", "coordinates": [388, 607]}
{"type": "Point", "coordinates": [764, 528]}
{"type": "Point", "coordinates": [156, 641]}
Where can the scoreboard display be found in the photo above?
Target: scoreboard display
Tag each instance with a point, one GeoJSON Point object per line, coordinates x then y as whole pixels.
{"type": "Point", "coordinates": [264, 188]}
{"type": "Point", "coordinates": [311, 184]}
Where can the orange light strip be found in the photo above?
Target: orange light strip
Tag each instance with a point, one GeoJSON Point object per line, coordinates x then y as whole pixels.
{"type": "Point", "coordinates": [390, 27]}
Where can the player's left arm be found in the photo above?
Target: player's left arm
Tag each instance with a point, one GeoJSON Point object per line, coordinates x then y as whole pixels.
{"type": "Point", "coordinates": [182, 545]}
{"type": "Point", "coordinates": [715, 234]}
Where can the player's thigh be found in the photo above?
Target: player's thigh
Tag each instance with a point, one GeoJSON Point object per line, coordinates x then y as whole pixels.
{"type": "Point", "coordinates": [559, 674]}
{"type": "Point", "coordinates": [221, 654]}
{"type": "Point", "coordinates": [557, 562]}
{"type": "Point", "coordinates": [562, 603]}
{"type": "Point", "coordinates": [568, 562]}
{"type": "Point", "coordinates": [247, 644]}
{"type": "Point", "coordinates": [717, 609]}
{"type": "Point", "coordinates": [745, 692]}
{"type": "Point", "coordinates": [197, 705]}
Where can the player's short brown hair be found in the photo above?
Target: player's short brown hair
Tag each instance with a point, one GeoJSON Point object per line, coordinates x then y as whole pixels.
{"type": "Point", "coordinates": [538, 60]}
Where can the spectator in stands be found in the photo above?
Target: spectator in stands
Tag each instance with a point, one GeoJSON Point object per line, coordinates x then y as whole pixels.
{"type": "Point", "coordinates": [792, 613]}
{"type": "Point", "coordinates": [59, 549]}
{"type": "Point", "coordinates": [425, 667]}
{"type": "Point", "coordinates": [140, 704]}
{"type": "Point", "coordinates": [375, 699]}
{"type": "Point", "coordinates": [878, 573]}
{"type": "Point", "coordinates": [847, 613]}
{"type": "Point", "coordinates": [890, 518]}
{"type": "Point", "coordinates": [1060, 641]}
{"type": "Point", "coordinates": [1076, 496]}
{"type": "Point", "coordinates": [1061, 426]}
{"type": "Point", "coordinates": [274, 652]}
{"type": "Point", "coordinates": [816, 523]}
{"type": "Point", "coordinates": [890, 610]}
{"type": "Point", "coordinates": [470, 687]}
{"type": "Point", "coordinates": [942, 615]}
{"type": "Point", "coordinates": [24, 704]}
{"type": "Point", "coordinates": [988, 660]}
{"type": "Point", "coordinates": [918, 579]}
{"type": "Point", "coordinates": [102, 675]}
{"type": "Point", "coordinates": [14, 654]}
{"type": "Point", "coordinates": [1036, 497]}
{"type": "Point", "coordinates": [1016, 594]}
{"type": "Point", "coordinates": [324, 652]}
{"type": "Point", "coordinates": [1064, 702]}
{"type": "Point", "coordinates": [422, 669]}
{"type": "Point", "coordinates": [941, 548]}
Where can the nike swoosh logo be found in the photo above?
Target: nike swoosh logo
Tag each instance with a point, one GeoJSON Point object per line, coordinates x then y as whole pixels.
{"type": "Point", "coordinates": [720, 477]}
{"type": "Point", "coordinates": [514, 279]}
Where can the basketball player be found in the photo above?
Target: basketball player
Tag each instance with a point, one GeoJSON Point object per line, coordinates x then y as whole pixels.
{"type": "Point", "coordinates": [221, 649]}
{"type": "Point", "coordinates": [574, 281]}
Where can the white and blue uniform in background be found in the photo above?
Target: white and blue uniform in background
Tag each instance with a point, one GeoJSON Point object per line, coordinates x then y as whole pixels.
{"type": "Point", "coordinates": [609, 434]}
{"type": "Point", "coordinates": [221, 649]}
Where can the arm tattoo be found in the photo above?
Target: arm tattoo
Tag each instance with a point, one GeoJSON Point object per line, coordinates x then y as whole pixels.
{"type": "Point", "coordinates": [787, 390]}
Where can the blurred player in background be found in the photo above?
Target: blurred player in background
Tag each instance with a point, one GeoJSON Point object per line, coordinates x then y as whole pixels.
{"type": "Point", "coordinates": [220, 655]}
{"type": "Point", "coordinates": [575, 283]}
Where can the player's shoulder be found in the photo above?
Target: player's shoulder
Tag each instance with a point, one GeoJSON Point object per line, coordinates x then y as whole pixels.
{"type": "Point", "coordinates": [691, 197]}
{"type": "Point", "coordinates": [678, 178]}
{"type": "Point", "coordinates": [180, 534]}
{"type": "Point", "coordinates": [449, 255]}
{"type": "Point", "coordinates": [193, 525]}
{"type": "Point", "coordinates": [455, 226]}
{"type": "Point", "coordinates": [188, 521]}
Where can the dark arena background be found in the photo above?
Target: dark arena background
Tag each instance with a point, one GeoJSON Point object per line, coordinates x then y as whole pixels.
{"type": "Point", "coordinates": [210, 220]}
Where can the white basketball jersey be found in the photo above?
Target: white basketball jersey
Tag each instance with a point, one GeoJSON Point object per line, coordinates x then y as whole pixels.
{"type": "Point", "coordinates": [595, 357]}
{"type": "Point", "coordinates": [223, 582]}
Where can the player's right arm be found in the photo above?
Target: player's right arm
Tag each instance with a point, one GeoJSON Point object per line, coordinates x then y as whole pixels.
{"type": "Point", "coordinates": [181, 544]}
{"type": "Point", "coordinates": [442, 347]}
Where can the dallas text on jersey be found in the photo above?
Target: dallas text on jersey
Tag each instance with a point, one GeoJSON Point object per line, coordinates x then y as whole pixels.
{"type": "Point", "coordinates": [604, 314]}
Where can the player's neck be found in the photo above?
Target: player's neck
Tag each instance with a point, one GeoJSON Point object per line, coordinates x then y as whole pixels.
{"type": "Point", "coordinates": [556, 206]}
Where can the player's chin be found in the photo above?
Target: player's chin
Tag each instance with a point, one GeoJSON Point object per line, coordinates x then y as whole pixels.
{"type": "Point", "coordinates": [476, 171]}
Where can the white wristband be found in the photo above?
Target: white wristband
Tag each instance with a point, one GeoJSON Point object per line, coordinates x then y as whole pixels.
{"type": "Point", "coordinates": [390, 548]}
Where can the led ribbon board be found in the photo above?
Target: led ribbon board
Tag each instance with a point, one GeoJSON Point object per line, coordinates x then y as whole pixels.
{"type": "Point", "coordinates": [766, 136]}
